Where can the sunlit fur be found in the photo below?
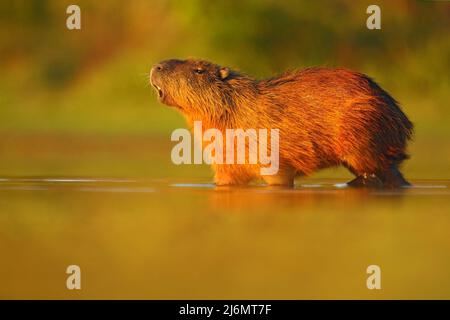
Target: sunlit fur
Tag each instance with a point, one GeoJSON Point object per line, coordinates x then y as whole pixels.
{"type": "Point", "coordinates": [326, 117]}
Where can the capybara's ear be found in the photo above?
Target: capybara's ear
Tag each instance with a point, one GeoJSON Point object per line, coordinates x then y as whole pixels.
{"type": "Point", "coordinates": [224, 72]}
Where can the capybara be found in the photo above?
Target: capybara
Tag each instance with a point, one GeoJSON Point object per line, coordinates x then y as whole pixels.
{"type": "Point", "coordinates": [326, 117]}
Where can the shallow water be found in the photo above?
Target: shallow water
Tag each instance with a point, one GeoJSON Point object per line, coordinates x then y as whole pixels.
{"type": "Point", "coordinates": [138, 238]}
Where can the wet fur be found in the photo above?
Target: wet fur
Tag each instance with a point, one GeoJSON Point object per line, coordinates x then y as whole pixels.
{"type": "Point", "coordinates": [326, 117]}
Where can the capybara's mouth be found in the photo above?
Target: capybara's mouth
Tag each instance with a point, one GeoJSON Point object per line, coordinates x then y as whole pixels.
{"type": "Point", "coordinates": [159, 90]}
{"type": "Point", "coordinates": [154, 80]}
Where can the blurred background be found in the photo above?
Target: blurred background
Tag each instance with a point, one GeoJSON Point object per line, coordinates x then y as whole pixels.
{"type": "Point", "coordinates": [78, 103]}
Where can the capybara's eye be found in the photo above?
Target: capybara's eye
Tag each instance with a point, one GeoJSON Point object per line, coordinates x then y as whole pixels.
{"type": "Point", "coordinates": [199, 70]}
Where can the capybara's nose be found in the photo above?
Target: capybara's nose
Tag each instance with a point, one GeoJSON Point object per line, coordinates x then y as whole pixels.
{"type": "Point", "coordinates": [166, 65]}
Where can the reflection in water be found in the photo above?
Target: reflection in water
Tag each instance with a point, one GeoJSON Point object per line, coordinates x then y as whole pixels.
{"type": "Point", "coordinates": [423, 186]}
{"type": "Point", "coordinates": [163, 239]}
{"type": "Point", "coordinates": [193, 185]}
{"type": "Point", "coordinates": [75, 180]}
{"type": "Point", "coordinates": [79, 189]}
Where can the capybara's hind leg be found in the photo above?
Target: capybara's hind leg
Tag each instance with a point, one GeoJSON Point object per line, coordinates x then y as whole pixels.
{"type": "Point", "coordinates": [390, 178]}
{"type": "Point", "coordinates": [393, 178]}
{"type": "Point", "coordinates": [367, 181]}
{"type": "Point", "coordinates": [365, 178]}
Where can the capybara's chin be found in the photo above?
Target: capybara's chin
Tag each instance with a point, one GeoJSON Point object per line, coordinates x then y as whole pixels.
{"type": "Point", "coordinates": [325, 117]}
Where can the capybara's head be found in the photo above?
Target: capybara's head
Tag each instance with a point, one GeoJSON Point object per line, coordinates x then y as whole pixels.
{"type": "Point", "coordinates": [194, 86]}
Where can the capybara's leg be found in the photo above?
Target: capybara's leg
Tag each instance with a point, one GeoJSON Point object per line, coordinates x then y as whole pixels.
{"type": "Point", "coordinates": [279, 180]}
{"type": "Point", "coordinates": [224, 176]}
{"type": "Point", "coordinates": [284, 177]}
{"type": "Point", "coordinates": [365, 176]}
{"type": "Point", "coordinates": [226, 179]}
{"type": "Point", "coordinates": [367, 181]}
{"type": "Point", "coordinates": [389, 178]}
{"type": "Point", "coordinates": [393, 178]}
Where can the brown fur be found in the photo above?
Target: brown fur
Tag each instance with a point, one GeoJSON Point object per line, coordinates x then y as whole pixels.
{"type": "Point", "coordinates": [326, 117]}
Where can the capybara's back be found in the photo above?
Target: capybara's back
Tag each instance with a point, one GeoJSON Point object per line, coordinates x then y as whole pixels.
{"type": "Point", "coordinates": [326, 117]}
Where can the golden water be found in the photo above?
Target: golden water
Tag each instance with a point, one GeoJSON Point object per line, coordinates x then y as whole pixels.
{"type": "Point", "coordinates": [158, 239]}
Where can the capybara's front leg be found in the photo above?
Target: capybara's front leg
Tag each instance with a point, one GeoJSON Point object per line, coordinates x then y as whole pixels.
{"type": "Point", "coordinates": [225, 176]}
{"type": "Point", "coordinates": [284, 177]}
{"type": "Point", "coordinates": [223, 179]}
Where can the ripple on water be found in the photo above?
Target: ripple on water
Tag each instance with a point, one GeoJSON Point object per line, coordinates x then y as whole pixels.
{"type": "Point", "coordinates": [124, 185]}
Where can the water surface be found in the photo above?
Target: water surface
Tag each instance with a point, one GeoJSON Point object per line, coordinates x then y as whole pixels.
{"type": "Point", "coordinates": [157, 239]}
